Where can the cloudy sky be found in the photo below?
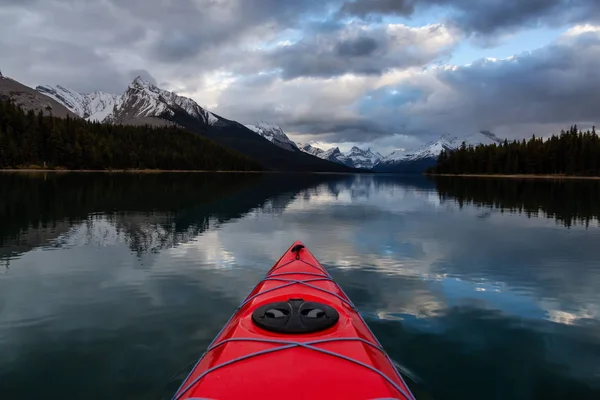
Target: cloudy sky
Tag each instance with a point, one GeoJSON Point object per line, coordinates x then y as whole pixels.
{"type": "Point", "coordinates": [390, 73]}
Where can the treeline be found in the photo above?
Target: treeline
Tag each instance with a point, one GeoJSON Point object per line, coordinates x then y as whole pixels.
{"type": "Point", "coordinates": [569, 202]}
{"type": "Point", "coordinates": [571, 153]}
{"type": "Point", "coordinates": [33, 140]}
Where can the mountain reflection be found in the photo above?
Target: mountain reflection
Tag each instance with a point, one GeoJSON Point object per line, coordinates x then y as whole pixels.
{"type": "Point", "coordinates": [157, 211]}
{"type": "Point", "coordinates": [151, 211]}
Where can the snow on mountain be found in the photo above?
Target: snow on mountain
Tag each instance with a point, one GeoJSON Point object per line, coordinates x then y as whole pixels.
{"type": "Point", "coordinates": [95, 106]}
{"type": "Point", "coordinates": [336, 155]}
{"type": "Point", "coordinates": [308, 148]}
{"type": "Point", "coordinates": [356, 157]}
{"type": "Point", "coordinates": [144, 100]}
{"type": "Point", "coordinates": [363, 158]}
{"type": "Point", "coordinates": [274, 134]}
{"type": "Point", "coordinates": [140, 102]}
{"type": "Point", "coordinates": [430, 150]}
{"type": "Point", "coordinates": [433, 149]}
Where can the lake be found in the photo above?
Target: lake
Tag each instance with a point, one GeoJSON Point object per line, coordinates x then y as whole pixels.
{"type": "Point", "coordinates": [479, 288]}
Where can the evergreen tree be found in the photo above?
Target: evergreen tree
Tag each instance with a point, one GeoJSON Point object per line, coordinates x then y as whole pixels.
{"type": "Point", "coordinates": [573, 152]}
{"type": "Point", "coordinates": [28, 140]}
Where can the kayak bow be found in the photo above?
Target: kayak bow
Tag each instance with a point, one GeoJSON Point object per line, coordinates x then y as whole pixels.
{"type": "Point", "coordinates": [296, 336]}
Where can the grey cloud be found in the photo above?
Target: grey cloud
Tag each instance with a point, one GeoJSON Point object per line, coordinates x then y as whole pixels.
{"type": "Point", "coordinates": [182, 38]}
{"type": "Point", "coordinates": [50, 46]}
{"type": "Point", "coordinates": [186, 39]}
{"type": "Point", "coordinates": [178, 46]}
{"type": "Point", "coordinates": [315, 116]}
{"type": "Point", "coordinates": [188, 43]}
{"type": "Point", "coordinates": [486, 17]}
{"type": "Point", "coordinates": [359, 47]}
{"type": "Point", "coordinates": [364, 8]}
{"type": "Point", "coordinates": [339, 129]}
{"type": "Point", "coordinates": [188, 29]}
{"type": "Point", "coordinates": [553, 84]}
{"type": "Point", "coordinates": [538, 92]}
{"type": "Point", "coordinates": [85, 70]}
{"type": "Point", "coordinates": [354, 49]}
{"type": "Point", "coordinates": [542, 92]}
{"type": "Point", "coordinates": [258, 81]}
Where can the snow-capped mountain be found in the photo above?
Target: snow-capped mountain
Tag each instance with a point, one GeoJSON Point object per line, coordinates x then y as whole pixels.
{"type": "Point", "coordinates": [308, 148]}
{"type": "Point", "coordinates": [430, 150]}
{"type": "Point", "coordinates": [355, 158]}
{"type": "Point", "coordinates": [95, 106]}
{"type": "Point", "coordinates": [144, 100]}
{"type": "Point", "coordinates": [419, 159]}
{"type": "Point", "coordinates": [335, 155]}
{"type": "Point", "coordinates": [274, 134]}
{"type": "Point", "coordinates": [363, 158]}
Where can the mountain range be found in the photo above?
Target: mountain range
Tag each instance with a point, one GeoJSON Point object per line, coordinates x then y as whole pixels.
{"type": "Point", "coordinates": [418, 160]}
{"type": "Point", "coordinates": [414, 161]}
{"type": "Point", "coordinates": [145, 103]}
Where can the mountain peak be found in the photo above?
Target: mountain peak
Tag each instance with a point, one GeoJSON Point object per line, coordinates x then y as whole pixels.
{"type": "Point", "coordinates": [310, 149]}
{"type": "Point", "coordinates": [95, 106]}
{"type": "Point", "coordinates": [143, 99]}
{"type": "Point", "coordinates": [356, 157]}
{"type": "Point", "coordinates": [139, 81]}
{"type": "Point", "coordinates": [274, 134]}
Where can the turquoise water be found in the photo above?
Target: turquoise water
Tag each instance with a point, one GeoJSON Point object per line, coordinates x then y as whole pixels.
{"type": "Point", "coordinates": [109, 284]}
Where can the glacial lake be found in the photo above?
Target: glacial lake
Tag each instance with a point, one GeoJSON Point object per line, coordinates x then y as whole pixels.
{"type": "Point", "coordinates": [479, 288]}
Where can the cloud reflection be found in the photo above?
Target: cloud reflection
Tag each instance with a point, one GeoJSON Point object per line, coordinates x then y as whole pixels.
{"type": "Point", "coordinates": [440, 285]}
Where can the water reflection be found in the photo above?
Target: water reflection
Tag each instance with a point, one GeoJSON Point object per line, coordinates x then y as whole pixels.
{"type": "Point", "coordinates": [116, 281]}
{"type": "Point", "coordinates": [567, 201]}
{"type": "Point", "coordinates": [151, 211]}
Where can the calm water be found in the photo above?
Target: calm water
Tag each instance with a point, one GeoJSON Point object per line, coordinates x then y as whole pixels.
{"type": "Point", "coordinates": [482, 289]}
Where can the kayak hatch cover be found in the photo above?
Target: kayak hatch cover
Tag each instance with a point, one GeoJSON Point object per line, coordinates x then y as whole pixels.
{"type": "Point", "coordinates": [296, 336]}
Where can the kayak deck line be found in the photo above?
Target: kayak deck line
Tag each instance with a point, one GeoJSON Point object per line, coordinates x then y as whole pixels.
{"type": "Point", "coordinates": [282, 345]}
{"type": "Point", "coordinates": [288, 345]}
{"type": "Point", "coordinates": [291, 282]}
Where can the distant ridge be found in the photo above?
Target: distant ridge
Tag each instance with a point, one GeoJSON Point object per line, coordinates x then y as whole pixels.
{"type": "Point", "coordinates": [30, 99]}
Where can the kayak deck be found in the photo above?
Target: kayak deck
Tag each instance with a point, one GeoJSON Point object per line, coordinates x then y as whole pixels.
{"type": "Point", "coordinates": [249, 361]}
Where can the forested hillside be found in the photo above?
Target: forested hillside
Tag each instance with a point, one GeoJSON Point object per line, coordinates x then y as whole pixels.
{"type": "Point", "coordinates": [571, 153]}
{"type": "Point", "coordinates": [29, 139]}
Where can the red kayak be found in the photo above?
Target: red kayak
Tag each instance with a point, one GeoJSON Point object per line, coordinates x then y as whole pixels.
{"type": "Point", "coordinates": [296, 336]}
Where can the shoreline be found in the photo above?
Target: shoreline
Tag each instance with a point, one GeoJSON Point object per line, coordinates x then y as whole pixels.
{"type": "Point", "coordinates": [141, 171]}
{"type": "Point", "coordinates": [519, 176]}
{"type": "Point", "coordinates": [161, 171]}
